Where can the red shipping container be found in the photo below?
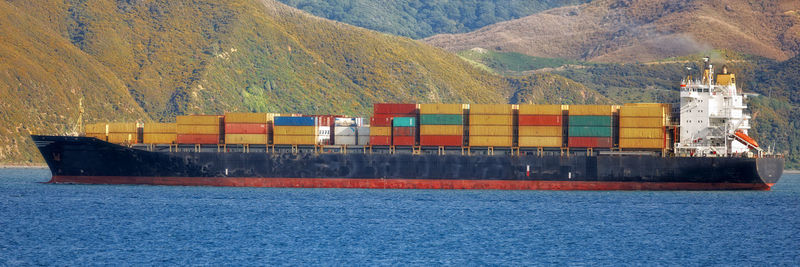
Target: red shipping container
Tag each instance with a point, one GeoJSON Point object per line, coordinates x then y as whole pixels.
{"type": "Point", "coordinates": [380, 140]}
{"type": "Point", "coordinates": [404, 140]}
{"type": "Point", "coordinates": [404, 131]}
{"type": "Point", "coordinates": [539, 120]}
{"type": "Point", "coordinates": [246, 128]}
{"type": "Point", "coordinates": [198, 139]}
{"type": "Point", "coordinates": [381, 120]}
{"type": "Point", "coordinates": [589, 142]}
{"type": "Point", "coordinates": [390, 108]}
{"type": "Point", "coordinates": [441, 140]}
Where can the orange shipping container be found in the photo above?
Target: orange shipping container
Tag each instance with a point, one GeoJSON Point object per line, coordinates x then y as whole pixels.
{"type": "Point", "coordinates": [592, 110]}
{"type": "Point", "coordinates": [122, 127]}
{"type": "Point", "coordinates": [657, 133]}
{"type": "Point", "coordinates": [159, 138]}
{"type": "Point", "coordinates": [493, 130]}
{"type": "Point", "coordinates": [540, 141]}
{"type": "Point", "coordinates": [246, 139]}
{"type": "Point", "coordinates": [129, 138]}
{"type": "Point", "coordinates": [380, 131]}
{"type": "Point", "coordinates": [198, 119]}
{"type": "Point", "coordinates": [441, 109]}
{"type": "Point", "coordinates": [637, 122]}
{"type": "Point", "coordinates": [641, 143]}
{"type": "Point", "coordinates": [441, 130]}
{"type": "Point", "coordinates": [493, 141]}
{"type": "Point", "coordinates": [294, 140]}
{"type": "Point", "coordinates": [294, 130]}
{"type": "Point", "coordinates": [527, 109]}
{"type": "Point", "coordinates": [198, 129]}
{"type": "Point", "coordinates": [491, 109]}
{"type": "Point", "coordinates": [540, 131]}
{"type": "Point", "coordinates": [160, 128]}
{"type": "Point", "coordinates": [239, 117]}
{"type": "Point", "coordinates": [491, 119]}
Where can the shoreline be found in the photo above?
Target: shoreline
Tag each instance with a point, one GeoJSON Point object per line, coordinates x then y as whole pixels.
{"type": "Point", "coordinates": [33, 166]}
{"type": "Point", "coordinates": [791, 171]}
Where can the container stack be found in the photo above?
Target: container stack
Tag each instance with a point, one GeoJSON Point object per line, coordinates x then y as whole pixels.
{"type": "Point", "coordinates": [160, 133]}
{"type": "Point", "coordinates": [96, 130]}
{"type": "Point", "coordinates": [643, 126]}
{"type": "Point", "coordinates": [590, 126]}
{"type": "Point", "coordinates": [491, 125]}
{"type": "Point", "coordinates": [540, 126]}
{"type": "Point", "coordinates": [199, 129]}
{"type": "Point", "coordinates": [247, 128]}
{"type": "Point", "coordinates": [441, 125]}
{"type": "Point", "coordinates": [381, 121]}
{"type": "Point", "coordinates": [295, 131]}
{"type": "Point", "coordinates": [404, 131]}
{"type": "Point", "coordinates": [350, 131]}
{"type": "Point", "coordinates": [123, 132]}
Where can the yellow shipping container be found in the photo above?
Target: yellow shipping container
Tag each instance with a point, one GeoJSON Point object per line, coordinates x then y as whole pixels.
{"type": "Point", "coordinates": [197, 129]}
{"type": "Point", "coordinates": [95, 128]}
{"type": "Point", "coordinates": [540, 141]}
{"type": "Point", "coordinates": [640, 143]}
{"type": "Point", "coordinates": [484, 130]}
{"type": "Point", "coordinates": [441, 109]}
{"type": "Point", "coordinates": [122, 138]}
{"type": "Point", "coordinates": [160, 128]}
{"type": "Point", "coordinates": [198, 119]}
{"type": "Point", "coordinates": [494, 141]}
{"type": "Point", "coordinates": [441, 130]}
{"type": "Point", "coordinates": [294, 139]}
{"type": "Point", "coordinates": [159, 138]}
{"type": "Point", "coordinates": [634, 122]}
{"type": "Point", "coordinates": [101, 136]}
{"type": "Point", "coordinates": [540, 131]}
{"type": "Point", "coordinates": [526, 109]}
{"type": "Point", "coordinates": [239, 117]}
{"type": "Point", "coordinates": [491, 109]}
{"type": "Point", "coordinates": [295, 130]}
{"type": "Point", "coordinates": [380, 131]}
{"type": "Point", "coordinates": [122, 127]}
{"type": "Point", "coordinates": [641, 133]}
{"type": "Point", "coordinates": [642, 111]}
{"type": "Point", "coordinates": [491, 119]}
{"type": "Point", "coordinates": [246, 139]}
{"type": "Point", "coordinates": [271, 116]}
{"type": "Point", "coordinates": [593, 110]}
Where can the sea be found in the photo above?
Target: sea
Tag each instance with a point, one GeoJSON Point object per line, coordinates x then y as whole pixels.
{"type": "Point", "coordinates": [49, 224]}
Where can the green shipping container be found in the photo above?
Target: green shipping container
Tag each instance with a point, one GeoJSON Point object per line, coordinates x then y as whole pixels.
{"type": "Point", "coordinates": [590, 121]}
{"type": "Point", "coordinates": [589, 131]}
{"type": "Point", "coordinates": [441, 119]}
{"type": "Point", "coordinates": [404, 122]}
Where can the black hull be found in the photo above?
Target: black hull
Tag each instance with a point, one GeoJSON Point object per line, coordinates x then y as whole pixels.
{"type": "Point", "coordinates": [88, 160]}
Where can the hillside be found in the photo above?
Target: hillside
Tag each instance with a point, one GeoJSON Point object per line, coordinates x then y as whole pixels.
{"type": "Point", "coordinates": [419, 19]}
{"type": "Point", "coordinates": [156, 59]}
{"type": "Point", "coordinates": [642, 30]}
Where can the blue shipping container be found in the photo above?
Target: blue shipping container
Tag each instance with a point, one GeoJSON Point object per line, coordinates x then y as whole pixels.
{"type": "Point", "coordinates": [404, 122]}
{"type": "Point", "coordinates": [294, 121]}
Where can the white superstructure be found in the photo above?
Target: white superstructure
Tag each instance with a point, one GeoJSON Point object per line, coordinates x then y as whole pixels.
{"type": "Point", "coordinates": [713, 121]}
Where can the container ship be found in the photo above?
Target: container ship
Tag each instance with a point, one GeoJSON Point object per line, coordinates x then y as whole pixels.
{"type": "Point", "coordinates": [702, 144]}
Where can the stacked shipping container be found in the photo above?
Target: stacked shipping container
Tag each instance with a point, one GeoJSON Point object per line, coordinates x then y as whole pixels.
{"type": "Point", "coordinates": [96, 130]}
{"type": "Point", "coordinates": [441, 125]}
{"type": "Point", "coordinates": [381, 121]}
{"type": "Point", "coordinates": [643, 126]}
{"type": "Point", "coordinates": [540, 126]}
{"type": "Point", "coordinates": [404, 131]}
{"type": "Point", "coordinates": [590, 126]}
{"type": "Point", "coordinates": [295, 131]}
{"type": "Point", "coordinates": [350, 131]}
{"type": "Point", "coordinates": [247, 128]}
{"type": "Point", "coordinates": [199, 129]}
{"type": "Point", "coordinates": [122, 132]}
{"type": "Point", "coordinates": [160, 133]}
{"type": "Point", "coordinates": [491, 125]}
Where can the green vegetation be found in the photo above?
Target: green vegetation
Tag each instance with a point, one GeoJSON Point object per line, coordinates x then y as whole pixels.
{"type": "Point", "coordinates": [153, 60]}
{"type": "Point", "coordinates": [419, 19]}
{"type": "Point", "coordinates": [512, 63]}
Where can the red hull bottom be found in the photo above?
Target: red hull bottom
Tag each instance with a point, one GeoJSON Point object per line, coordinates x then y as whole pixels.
{"type": "Point", "coordinates": [404, 183]}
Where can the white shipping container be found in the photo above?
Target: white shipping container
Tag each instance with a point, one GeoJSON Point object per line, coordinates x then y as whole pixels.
{"type": "Point", "coordinates": [344, 131]}
{"type": "Point", "coordinates": [363, 140]}
{"type": "Point", "coordinates": [363, 131]}
{"type": "Point", "coordinates": [346, 140]}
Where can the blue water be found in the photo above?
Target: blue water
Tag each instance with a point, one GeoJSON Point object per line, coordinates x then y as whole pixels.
{"type": "Point", "coordinates": [45, 224]}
